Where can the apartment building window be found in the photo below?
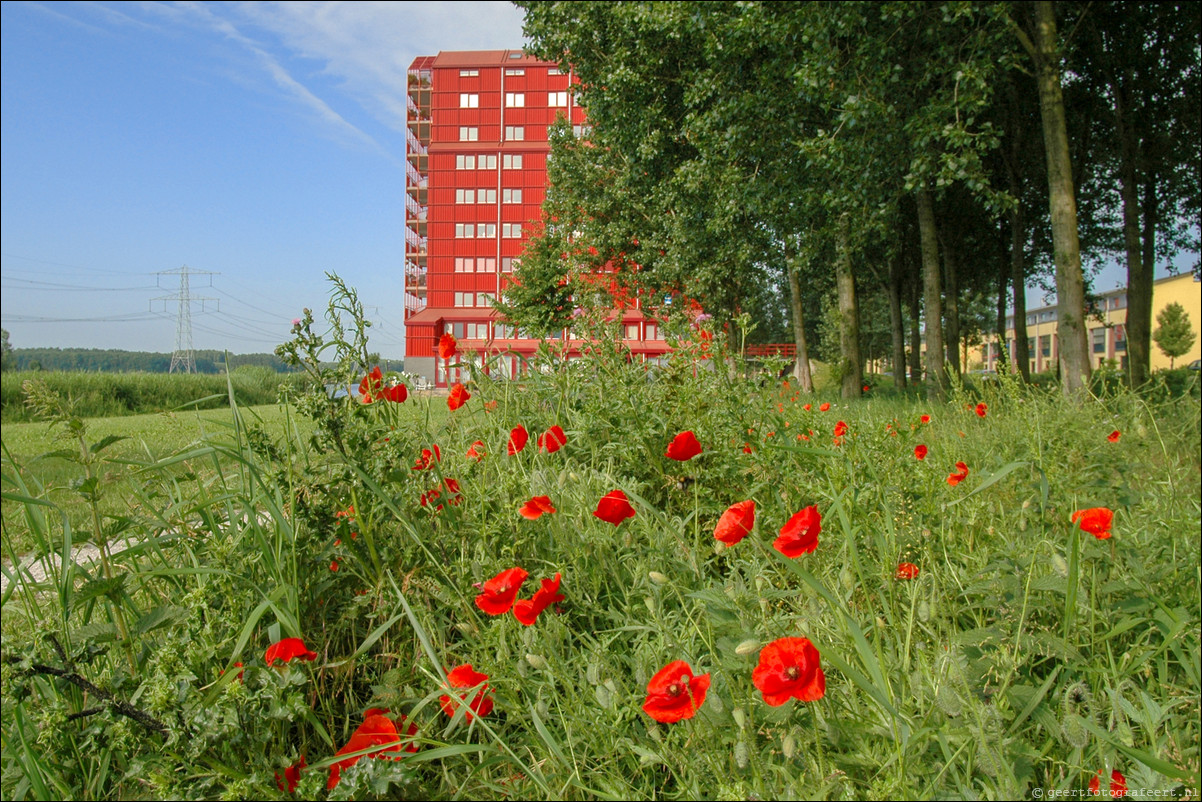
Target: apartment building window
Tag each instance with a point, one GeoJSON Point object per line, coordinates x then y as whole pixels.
{"type": "Point", "coordinates": [465, 196]}
{"type": "Point", "coordinates": [486, 230]}
{"type": "Point", "coordinates": [579, 131]}
{"type": "Point", "coordinates": [1120, 338]}
{"type": "Point", "coordinates": [467, 134]}
{"type": "Point", "coordinates": [1045, 345]}
{"type": "Point", "coordinates": [465, 162]}
{"type": "Point", "coordinates": [465, 298]}
{"type": "Point", "coordinates": [511, 230]}
{"type": "Point", "coordinates": [487, 162]}
{"type": "Point", "coordinates": [469, 101]}
{"type": "Point", "coordinates": [632, 331]}
{"type": "Point", "coordinates": [486, 265]}
{"type": "Point", "coordinates": [557, 99]}
{"type": "Point", "coordinates": [507, 264]}
{"type": "Point", "coordinates": [515, 71]}
{"type": "Point", "coordinates": [554, 71]}
{"type": "Point", "coordinates": [511, 196]}
{"type": "Point", "coordinates": [469, 73]}
{"type": "Point", "coordinates": [484, 299]}
{"type": "Point", "coordinates": [464, 264]}
{"type": "Point", "coordinates": [515, 133]}
{"type": "Point", "coordinates": [653, 332]}
{"type": "Point", "coordinates": [486, 196]}
{"type": "Point", "coordinates": [511, 161]}
{"type": "Point", "coordinates": [515, 100]}
{"type": "Point", "coordinates": [1098, 339]}
{"type": "Point", "coordinates": [465, 230]}
{"type": "Point", "coordinates": [477, 331]}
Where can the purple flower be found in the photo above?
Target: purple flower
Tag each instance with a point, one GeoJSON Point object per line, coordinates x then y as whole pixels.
{"type": "Point", "coordinates": [296, 321]}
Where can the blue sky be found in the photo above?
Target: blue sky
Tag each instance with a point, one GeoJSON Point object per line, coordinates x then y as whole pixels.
{"type": "Point", "coordinates": [260, 141]}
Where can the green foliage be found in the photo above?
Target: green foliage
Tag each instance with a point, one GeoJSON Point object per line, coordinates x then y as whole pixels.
{"type": "Point", "coordinates": [117, 361]}
{"type": "Point", "coordinates": [1026, 654]}
{"type": "Point", "coordinates": [6, 350]}
{"type": "Point", "coordinates": [1174, 335]}
{"type": "Point", "coordinates": [107, 394]}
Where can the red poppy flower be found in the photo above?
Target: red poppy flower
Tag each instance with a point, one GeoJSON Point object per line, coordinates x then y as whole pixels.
{"type": "Point", "coordinates": [370, 385]}
{"type": "Point", "coordinates": [528, 610]}
{"type": "Point", "coordinates": [959, 476]}
{"type": "Point", "coordinates": [1118, 784]}
{"type": "Point", "coordinates": [397, 394]}
{"type": "Point", "coordinates": [906, 571]}
{"type": "Point", "coordinates": [349, 512]}
{"type": "Point", "coordinates": [840, 429]}
{"type": "Point", "coordinates": [920, 452]}
{"type": "Point", "coordinates": [501, 591]}
{"type": "Point", "coordinates": [736, 523]}
{"type": "Point", "coordinates": [747, 448]}
{"type": "Point", "coordinates": [866, 388]}
{"type": "Point", "coordinates": [674, 694]}
{"type": "Point", "coordinates": [476, 452]}
{"type": "Point", "coordinates": [535, 507]}
{"type": "Point", "coordinates": [517, 439]}
{"type": "Point", "coordinates": [925, 419]}
{"type": "Point", "coordinates": [552, 440]}
{"type": "Point", "coordinates": [807, 407]}
{"type": "Point", "coordinates": [376, 730]}
{"type": "Point", "coordinates": [334, 565]}
{"type": "Point", "coordinates": [427, 459]}
{"type": "Point", "coordinates": [982, 410]}
{"type": "Point", "coordinates": [800, 533]}
{"type": "Point", "coordinates": [824, 407]}
{"type": "Point", "coordinates": [287, 783]}
{"type": "Point", "coordinates": [288, 649]}
{"type": "Point", "coordinates": [789, 669]}
{"type": "Point", "coordinates": [241, 674]}
{"type": "Point", "coordinates": [1114, 436]}
{"type": "Point", "coordinates": [448, 346]}
{"type": "Point", "coordinates": [458, 396]}
{"type": "Point", "coordinates": [1096, 521]}
{"type": "Point", "coordinates": [614, 507]}
{"type": "Point", "coordinates": [683, 447]}
{"type": "Point", "coordinates": [490, 406]}
{"type": "Point", "coordinates": [464, 677]}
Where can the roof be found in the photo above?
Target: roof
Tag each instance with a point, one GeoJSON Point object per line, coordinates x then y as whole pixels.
{"type": "Point", "coordinates": [484, 58]}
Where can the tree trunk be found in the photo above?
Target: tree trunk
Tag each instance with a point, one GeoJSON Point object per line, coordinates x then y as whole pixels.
{"type": "Point", "coordinates": [849, 318]}
{"type": "Point", "coordinates": [1002, 363]}
{"type": "Point", "coordinates": [951, 305]}
{"type": "Point", "coordinates": [931, 297]}
{"type": "Point", "coordinates": [1151, 215]}
{"type": "Point", "coordinates": [1018, 280]}
{"type": "Point", "coordinates": [801, 368]}
{"type": "Point", "coordinates": [896, 324]}
{"type": "Point", "coordinates": [1070, 283]}
{"type": "Point", "coordinates": [915, 301]}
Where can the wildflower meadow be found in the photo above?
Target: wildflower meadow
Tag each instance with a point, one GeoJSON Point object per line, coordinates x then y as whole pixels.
{"type": "Point", "coordinates": [611, 580]}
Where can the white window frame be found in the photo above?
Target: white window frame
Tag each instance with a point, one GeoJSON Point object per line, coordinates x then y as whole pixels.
{"type": "Point", "coordinates": [487, 196]}
{"type": "Point", "coordinates": [511, 161]}
{"type": "Point", "coordinates": [469, 100]}
{"type": "Point", "coordinates": [511, 196]}
{"type": "Point", "coordinates": [515, 100]}
{"type": "Point", "coordinates": [511, 230]}
{"type": "Point", "coordinates": [515, 133]}
{"type": "Point", "coordinates": [463, 162]}
{"type": "Point", "coordinates": [486, 231]}
{"type": "Point", "coordinates": [469, 133]}
{"type": "Point", "coordinates": [515, 71]}
{"type": "Point", "coordinates": [469, 73]}
{"type": "Point", "coordinates": [465, 231]}
{"type": "Point", "coordinates": [487, 161]}
{"type": "Point", "coordinates": [556, 99]}
{"type": "Point", "coordinates": [465, 264]}
{"type": "Point", "coordinates": [465, 196]}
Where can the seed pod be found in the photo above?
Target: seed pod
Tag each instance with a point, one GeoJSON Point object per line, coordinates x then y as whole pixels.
{"type": "Point", "coordinates": [741, 754]}
{"type": "Point", "coordinates": [749, 646]}
{"type": "Point", "coordinates": [1073, 729]}
{"type": "Point", "coordinates": [593, 673]}
{"type": "Point", "coordinates": [604, 697]}
{"type": "Point", "coordinates": [537, 661]}
{"type": "Point", "coordinates": [788, 747]}
{"type": "Point", "coordinates": [739, 716]}
{"type": "Point", "coordinates": [657, 577]}
{"type": "Point", "coordinates": [1059, 565]}
{"type": "Point", "coordinates": [948, 701]}
{"type": "Point", "coordinates": [650, 602]}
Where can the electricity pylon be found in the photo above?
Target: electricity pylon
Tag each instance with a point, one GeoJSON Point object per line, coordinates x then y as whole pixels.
{"type": "Point", "coordinates": [183, 359]}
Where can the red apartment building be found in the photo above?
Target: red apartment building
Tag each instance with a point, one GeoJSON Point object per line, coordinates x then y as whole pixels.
{"type": "Point", "coordinates": [476, 176]}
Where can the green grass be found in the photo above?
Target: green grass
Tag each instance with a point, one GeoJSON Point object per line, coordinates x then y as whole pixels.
{"type": "Point", "coordinates": [1026, 654]}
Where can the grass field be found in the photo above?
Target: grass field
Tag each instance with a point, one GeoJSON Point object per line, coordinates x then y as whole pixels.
{"type": "Point", "coordinates": [966, 636]}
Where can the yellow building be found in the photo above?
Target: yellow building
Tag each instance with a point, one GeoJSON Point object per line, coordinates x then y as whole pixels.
{"type": "Point", "coordinates": [1106, 326]}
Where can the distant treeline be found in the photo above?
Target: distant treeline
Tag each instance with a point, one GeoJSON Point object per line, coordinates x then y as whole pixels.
{"type": "Point", "coordinates": [96, 360]}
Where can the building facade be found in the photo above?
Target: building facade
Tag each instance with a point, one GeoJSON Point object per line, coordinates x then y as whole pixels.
{"type": "Point", "coordinates": [476, 176]}
{"type": "Point", "coordinates": [1106, 328]}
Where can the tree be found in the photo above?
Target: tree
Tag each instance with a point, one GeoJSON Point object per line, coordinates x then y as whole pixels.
{"type": "Point", "coordinates": [1174, 335]}
{"type": "Point", "coordinates": [1041, 41]}
{"type": "Point", "coordinates": [6, 350]}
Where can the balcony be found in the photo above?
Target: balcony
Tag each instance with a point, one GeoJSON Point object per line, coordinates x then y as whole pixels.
{"type": "Point", "coordinates": [414, 244]}
{"type": "Point", "coordinates": [414, 211]}
{"type": "Point", "coordinates": [414, 146]}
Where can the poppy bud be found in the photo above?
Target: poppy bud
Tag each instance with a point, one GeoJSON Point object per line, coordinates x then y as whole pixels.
{"type": "Point", "coordinates": [537, 661]}
{"type": "Point", "coordinates": [657, 577]}
{"type": "Point", "coordinates": [749, 646]}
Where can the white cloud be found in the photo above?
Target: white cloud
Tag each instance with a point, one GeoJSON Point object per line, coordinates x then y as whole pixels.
{"type": "Point", "coordinates": [368, 47]}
